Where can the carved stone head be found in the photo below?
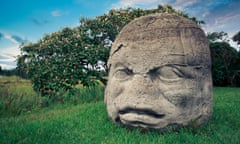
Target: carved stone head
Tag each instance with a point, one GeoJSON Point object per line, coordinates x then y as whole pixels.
{"type": "Point", "coordinates": [160, 74]}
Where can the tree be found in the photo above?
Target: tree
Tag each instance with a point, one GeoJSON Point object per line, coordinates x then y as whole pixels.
{"type": "Point", "coordinates": [214, 36]}
{"type": "Point", "coordinates": [58, 61]}
{"type": "Point", "coordinates": [225, 64]}
{"type": "Point", "coordinates": [236, 38]}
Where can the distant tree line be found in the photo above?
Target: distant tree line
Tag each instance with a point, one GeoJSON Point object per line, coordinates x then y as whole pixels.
{"type": "Point", "coordinates": [79, 55]}
{"type": "Point", "coordinates": [11, 72]}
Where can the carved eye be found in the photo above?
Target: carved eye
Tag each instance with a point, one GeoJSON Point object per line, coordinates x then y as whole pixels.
{"type": "Point", "coordinates": [123, 74]}
{"type": "Point", "coordinates": [170, 73]}
{"type": "Point", "coordinates": [166, 73]}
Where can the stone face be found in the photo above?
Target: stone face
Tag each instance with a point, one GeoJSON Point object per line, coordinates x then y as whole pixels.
{"type": "Point", "coordinates": [160, 74]}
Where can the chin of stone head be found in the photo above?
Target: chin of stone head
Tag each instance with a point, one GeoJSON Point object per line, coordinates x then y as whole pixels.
{"type": "Point", "coordinates": [160, 74]}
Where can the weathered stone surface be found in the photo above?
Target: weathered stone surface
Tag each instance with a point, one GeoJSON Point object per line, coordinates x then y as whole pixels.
{"type": "Point", "coordinates": [160, 74]}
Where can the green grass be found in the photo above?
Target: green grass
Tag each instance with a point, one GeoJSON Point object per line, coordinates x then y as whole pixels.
{"type": "Point", "coordinates": [88, 123]}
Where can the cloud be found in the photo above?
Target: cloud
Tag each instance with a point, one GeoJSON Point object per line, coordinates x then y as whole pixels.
{"type": "Point", "coordinates": [10, 38]}
{"type": "Point", "coordinates": [226, 18]}
{"type": "Point", "coordinates": [205, 14]}
{"type": "Point", "coordinates": [9, 49]}
{"type": "Point", "coordinates": [14, 39]}
{"type": "Point", "coordinates": [228, 23]}
{"type": "Point", "coordinates": [134, 3]}
{"type": "Point", "coordinates": [4, 59]}
{"type": "Point", "coordinates": [184, 4]}
{"type": "Point", "coordinates": [222, 16]}
{"type": "Point", "coordinates": [178, 4]}
{"type": "Point", "coordinates": [39, 22]}
{"type": "Point", "coordinates": [8, 57]}
{"type": "Point", "coordinates": [19, 39]}
{"type": "Point", "coordinates": [58, 13]}
{"type": "Point", "coordinates": [10, 52]}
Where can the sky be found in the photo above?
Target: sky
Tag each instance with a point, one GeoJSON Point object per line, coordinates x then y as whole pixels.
{"type": "Point", "coordinates": [24, 21]}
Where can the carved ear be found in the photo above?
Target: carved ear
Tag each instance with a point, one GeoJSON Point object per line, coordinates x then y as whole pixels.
{"type": "Point", "coordinates": [207, 84]}
{"type": "Point", "coordinates": [207, 98]}
{"type": "Point", "coordinates": [207, 87]}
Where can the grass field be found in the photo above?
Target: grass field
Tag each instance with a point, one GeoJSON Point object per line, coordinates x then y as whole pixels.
{"type": "Point", "coordinates": [17, 96]}
{"type": "Point", "coordinates": [88, 123]}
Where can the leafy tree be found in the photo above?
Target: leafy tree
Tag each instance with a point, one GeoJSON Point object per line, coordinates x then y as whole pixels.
{"type": "Point", "coordinates": [58, 61]}
{"type": "Point", "coordinates": [236, 38]}
{"type": "Point", "coordinates": [225, 64]}
{"type": "Point", "coordinates": [214, 36]}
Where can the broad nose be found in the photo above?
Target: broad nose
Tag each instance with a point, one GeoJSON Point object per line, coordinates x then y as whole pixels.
{"type": "Point", "coordinates": [143, 80]}
{"type": "Point", "coordinates": [142, 84]}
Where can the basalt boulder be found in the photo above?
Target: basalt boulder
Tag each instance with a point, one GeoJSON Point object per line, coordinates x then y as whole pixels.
{"type": "Point", "coordinates": [160, 74]}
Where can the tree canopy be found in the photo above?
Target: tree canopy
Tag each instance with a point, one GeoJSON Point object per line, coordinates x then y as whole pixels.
{"type": "Point", "coordinates": [225, 67]}
{"type": "Point", "coordinates": [214, 36]}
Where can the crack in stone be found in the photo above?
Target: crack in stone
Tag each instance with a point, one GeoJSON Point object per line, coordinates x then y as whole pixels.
{"type": "Point", "coordinates": [118, 48]}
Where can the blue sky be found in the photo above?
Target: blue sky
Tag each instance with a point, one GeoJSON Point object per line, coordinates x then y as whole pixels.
{"type": "Point", "coordinates": [29, 20]}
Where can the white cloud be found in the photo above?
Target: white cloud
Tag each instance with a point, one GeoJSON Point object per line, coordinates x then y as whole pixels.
{"type": "Point", "coordinates": [10, 38]}
{"type": "Point", "coordinates": [205, 14]}
{"type": "Point", "coordinates": [227, 23]}
{"type": "Point", "coordinates": [134, 3]}
{"type": "Point", "coordinates": [57, 13]}
{"type": "Point", "coordinates": [178, 4]}
{"type": "Point", "coordinates": [14, 39]}
{"type": "Point", "coordinates": [8, 57]}
{"type": "Point", "coordinates": [10, 51]}
{"type": "Point", "coordinates": [183, 4]}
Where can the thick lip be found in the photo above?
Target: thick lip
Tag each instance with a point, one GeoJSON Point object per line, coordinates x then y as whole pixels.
{"type": "Point", "coordinates": [140, 117]}
{"type": "Point", "coordinates": [142, 112]}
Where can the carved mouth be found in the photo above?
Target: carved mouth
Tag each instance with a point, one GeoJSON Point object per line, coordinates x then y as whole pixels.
{"type": "Point", "coordinates": [148, 112]}
{"type": "Point", "coordinates": [140, 117]}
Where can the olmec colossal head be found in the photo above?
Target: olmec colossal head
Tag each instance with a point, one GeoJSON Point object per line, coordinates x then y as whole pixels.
{"type": "Point", "coordinates": [160, 74]}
